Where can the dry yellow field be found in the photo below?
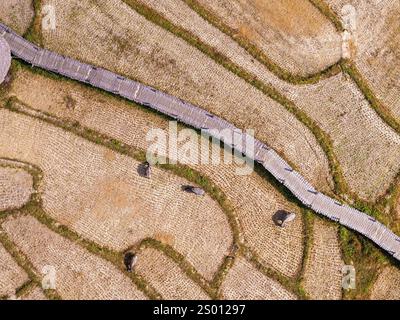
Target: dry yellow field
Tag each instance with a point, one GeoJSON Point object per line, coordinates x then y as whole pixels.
{"type": "Point", "coordinates": [345, 114]}
{"type": "Point", "coordinates": [223, 244]}
{"type": "Point", "coordinates": [11, 275]}
{"type": "Point", "coordinates": [377, 48]}
{"type": "Point", "coordinates": [100, 194]}
{"type": "Point", "coordinates": [367, 148]}
{"type": "Point", "coordinates": [78, 274]}
{"type": "Point", "coordinates": [166, 277]}
{"type": "Point", "coordinates": [387, 286]}
{"type": "Point", "coordinates": [35, 294]}
{"type": "Point", "coordinates": [323, 272]}
{"type": "Point", "coordinates": [254, 199]}
{"type": "Point", "coordinates": [292, 33]}
{"type": "Point", "coordinates": [17, 14]}
{"type": "Point", "coordinates": [245, 282]}
{"type": "Point", "coordinates": [16, 187]}
{"type": "Point", "coordinates": [133, 46]}
{"type": "Point", "coordinates": [180, 14]}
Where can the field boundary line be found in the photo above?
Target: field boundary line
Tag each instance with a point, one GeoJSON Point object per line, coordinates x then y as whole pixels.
{"type": "Point", "coordinates": [201, 119]}
{"type": "Point", "coordinates": [258, 54]}
{"type": "Point", "coordinates": [183, 171]}
{"type": "Point", "coordinates": [322, 138]}
{"type": "Point", "coordinates": [35, 205]}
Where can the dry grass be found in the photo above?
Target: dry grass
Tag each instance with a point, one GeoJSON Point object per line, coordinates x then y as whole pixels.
{"type": "Point", "coordinates": [166, 277]}
{"type": "Point", "coordinates": [387, 286]}
{"type": "Point", "coordinates": [181, 15]}
{"type": "Point", "coordinates": [11, 275]}
{"type": "Point", "coordinates": [323, 271]}
{"type": "Point", "coordinates": [35, 294]}
{"type": "Point", "coordinates": [366, 147]}
{"type": "Point", "coordinates": [79, 274]}
{"type": "Point", "coordinates": [255, 200]}
{"type": "Point", "coordinates": [378, 49]}
{"type": "Point", "coordinates": [344, 106]}
{"type": "Point", "coordinates": [293, 33]}
{"type": "Point", "coordinates": [17, 14]}
{"type": "Point", "coordinates": [16, 187]}
{"type": "Point", "coordinates": [99, 194]}
{"type": "Point", "coordinates": [146, 52]}
{"type": "Point", "coordinates": [245, 282]}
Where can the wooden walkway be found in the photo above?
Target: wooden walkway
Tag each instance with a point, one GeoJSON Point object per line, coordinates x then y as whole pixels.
{"type": "Point", "coordinates": [201, 119]}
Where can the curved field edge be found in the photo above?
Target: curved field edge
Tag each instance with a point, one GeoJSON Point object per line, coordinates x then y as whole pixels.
{"type": "Point", "coordinates": [295, 284]}
{"type": "Point", "coordinates": [349, 68]}
{"type": "Point", "coordinates": [257, 53]}
{"type": "Point", "coordinates": [323, 139]}
{"type": "Point", "coordinates": [327, 184]}
{"type": "Point", "coordinates": [34, 208]}
{"type": "Point", "coordinates": [341, 189]}
{"type": "Point", "coordinates": [367, 259]}
{"type": "Point", "coordinates": [383, 111]}
{"type": "Point", "coordinates": [350, 242]}
{"type": "Point", "coordinates": [211, 288]}
{"type": "Point", "coordinates": [20, 258]}
{"type": "Point", "coordinates": [34, 32]}
{"type": "Point", "coordinates": [33, 171]}
{"type": "Point", "coordinates": [326, 10]}
{"type": "Point", "coordinates": [180, 170]}
{"type": "Point", "coordinates": [27, 266]}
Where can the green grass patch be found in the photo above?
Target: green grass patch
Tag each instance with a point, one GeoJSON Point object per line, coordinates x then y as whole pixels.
{"type": "Point", "coordinates": [321, 136]}
{"type": "Point", "coordinates": [257, 53]}
{"type": "Point", "coordinates": [34, 32]}
{"type": "Point", "coordinates": [327, 11]}
{"type": "Point", "coordinates": [180, 260]}
{"type": "Point", "coordinates": [367, 260]}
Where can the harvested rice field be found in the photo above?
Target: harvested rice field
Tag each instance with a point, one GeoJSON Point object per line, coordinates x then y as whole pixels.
{"type": "Point", "coordinates": [101, 195]}
{"type": "Point", "coordinates": [397, 207]}
{"type": "Point", "coordinates": [18, 14]}
{"type": "Point", "coordinates": [294, 34]}
{"type": "Point", "coordinates": [387, 286]}
{"type": "Point", "coordinates": [371, 172]}
{"type": "Point", "coordinates": [78, 274]}
{"type": "Point", "coordinates": [166, 276]}
{"type": "Point", "coordinates": [154, 56]}
{"type": "Point", "coordinates": [366, 147]}
{"type": "Point", "coordinates": [377, 43]}
{"type": "Point", "coordinates": [16, 187]}
{"type": "Point", "coordinates": [35, 294]}
{"type": "Point", "coordinates": [317, 80]}
{"type": "Point", "coordinates": [245, 282]}
{"type": "Point", "coordinates": [12, 276]}
{"type": "Point", "coordinates": [323, 273]}
{"type": "Point", "coordinates": [280, 248]}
